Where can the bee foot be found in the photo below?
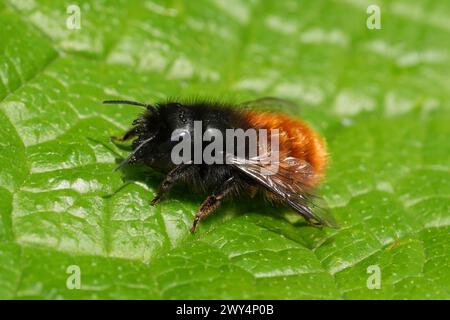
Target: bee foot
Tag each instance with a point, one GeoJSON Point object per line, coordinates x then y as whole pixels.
{"type": "Point", "coordinates": [194, 224]}
{"type": "Point", "coordinates": [155, 201]}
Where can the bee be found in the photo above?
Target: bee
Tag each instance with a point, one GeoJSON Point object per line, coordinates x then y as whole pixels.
{"type": "Point", "coordinates": [301, 161]}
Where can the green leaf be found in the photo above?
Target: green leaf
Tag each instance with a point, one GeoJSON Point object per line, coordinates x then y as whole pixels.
{"type": "Point", "coordinates": [380, 98]}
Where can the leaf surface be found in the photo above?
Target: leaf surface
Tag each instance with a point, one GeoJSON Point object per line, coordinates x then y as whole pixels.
{"type": "Point", "coordinates": [380, 98]}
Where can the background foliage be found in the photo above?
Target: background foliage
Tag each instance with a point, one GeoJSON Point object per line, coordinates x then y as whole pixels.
{"type": "Point", "coordinates": [380, 97]}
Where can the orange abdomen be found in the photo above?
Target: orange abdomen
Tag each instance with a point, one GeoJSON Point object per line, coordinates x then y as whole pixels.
{"type": "Point", "coordinates": [296, 139]}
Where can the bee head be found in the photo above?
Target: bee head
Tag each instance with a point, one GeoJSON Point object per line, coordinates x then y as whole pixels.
{"type": "Point", "coordinates": [154, 129]}
{"type": "Point", "coordinates": [145, 128]}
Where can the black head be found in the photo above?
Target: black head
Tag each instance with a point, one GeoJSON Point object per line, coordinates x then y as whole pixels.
{"type": "Point", "coordinates": [153, 131]}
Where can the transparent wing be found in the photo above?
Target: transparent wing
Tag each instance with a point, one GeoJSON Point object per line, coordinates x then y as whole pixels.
{"type": "Point", "coordinates": [272, 104]}
{"type": "Point", "coordinates": [288, 179]}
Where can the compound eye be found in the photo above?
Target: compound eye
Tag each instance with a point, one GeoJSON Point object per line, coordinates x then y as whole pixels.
{"type": "Point", "coordinates": [179, 134]}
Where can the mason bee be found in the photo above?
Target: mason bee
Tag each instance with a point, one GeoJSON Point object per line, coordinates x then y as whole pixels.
{"type": "Point", "coordinates": [290, 178]}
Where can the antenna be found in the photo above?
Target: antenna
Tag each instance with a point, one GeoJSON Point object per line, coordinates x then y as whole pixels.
{"type": "Point", "coordinates": [124, 162]}
{"type": "Point", "coordinates": [134, 103]}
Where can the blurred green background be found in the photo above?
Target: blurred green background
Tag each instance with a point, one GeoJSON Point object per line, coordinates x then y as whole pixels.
{"type": "Point", "coordinates": [379, 96]}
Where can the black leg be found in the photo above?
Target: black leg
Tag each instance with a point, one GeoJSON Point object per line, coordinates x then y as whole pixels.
{"type": "Point", "coordinates": [173, 176]}
{"type": "Point", "coordinates": [128, 135]}
{"type": "Point", "coordinates": [213, 201]}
